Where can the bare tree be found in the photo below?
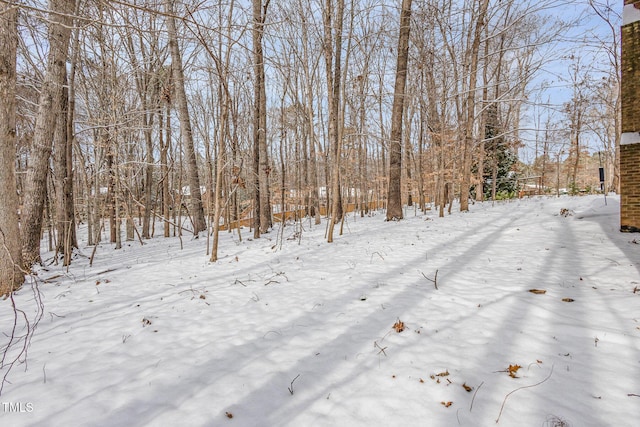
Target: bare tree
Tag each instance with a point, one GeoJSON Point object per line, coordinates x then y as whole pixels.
{"type": "Point", "coordinates": [195, 196]}
{"type": "Point", "coordinates": [333, 64]}
{"type": "Point", "coordinates": [309, 69]}
{"type": "Point", "coordinates": [394, 208]}
{"type": "Point", "coordinates": [63, 177]}
{"type": "Point", "coordinates": [146, 45]}
{"type": "Point", "coordinates": [11, 276]}
{"type": "Point", "coordinates": [576, 113]}
{"type": "Point", "coordinates": [475, 34]}
{"type": "Point", "coordinates": [608, 93]}
{"type": "Point", "coordinates": [261, 160]}
{"type": "Point", "coordinates": [49, 107]}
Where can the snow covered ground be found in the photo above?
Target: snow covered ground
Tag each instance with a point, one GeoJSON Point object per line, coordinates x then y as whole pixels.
{"type": "Point", "coordinates": [302, 334]}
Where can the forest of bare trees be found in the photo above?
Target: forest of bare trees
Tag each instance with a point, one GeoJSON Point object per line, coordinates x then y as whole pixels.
{"type": "Point", "coordinates": [199, 117]}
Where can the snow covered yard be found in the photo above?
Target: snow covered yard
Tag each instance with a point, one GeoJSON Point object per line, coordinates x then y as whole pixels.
{"type": "Point", "coordinates": [303, 334]}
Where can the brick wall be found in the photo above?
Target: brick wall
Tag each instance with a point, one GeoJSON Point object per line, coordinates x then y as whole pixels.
{"type": "Point", "coordinates": [630, 187]}
{"type": "Point", "coordinates": [630, 149]}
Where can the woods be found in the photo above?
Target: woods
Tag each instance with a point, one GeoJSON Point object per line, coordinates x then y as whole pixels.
{"type": "Point", "coordinates": [200, 117]}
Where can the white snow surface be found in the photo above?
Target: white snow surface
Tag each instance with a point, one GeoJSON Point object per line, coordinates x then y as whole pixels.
{"type": "Point", "coordinates": [301, 333]}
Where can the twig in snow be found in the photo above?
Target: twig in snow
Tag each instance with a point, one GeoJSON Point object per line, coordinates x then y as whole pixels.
{"type": "Point", "coordinates": [376, 253]}
{"type": "Point", "coordinates": [434, 280]}
{"type": "Point", "coordinates": [382, 349]}
{"type": "Point", "coordinates": [520, 388]}
{"type": "Point", "coordinates": [474, 396]}
{"type": "Point", "coordinates": [290, 388]}
{"type": "Point", "coordinates": [634, 395]}
{"type": "Point", "coordinates": [15, 351]}
{"type": "Point", "coordinates": [271, 279]}
{"type": "Point", "coordinates": [56, 315]}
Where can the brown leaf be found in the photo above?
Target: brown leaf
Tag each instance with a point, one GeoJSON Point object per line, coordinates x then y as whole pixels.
{"type": "Point", "coordinates": [229, 414]}
{"type": "Point", "coordinates": [467, 388]}
{"type": "Point", "coordinates": [513, 370]}
{"type": "Point", "coordinates": [443, 374]}
{"type": "Point", "coordinates": [537, 291]}
{"type": "Point", "coordinates": [398, 326]}
{"type": "Point", "coordinates": [568, 299]}
{"type": "Point", "coordinates": [446, 404]}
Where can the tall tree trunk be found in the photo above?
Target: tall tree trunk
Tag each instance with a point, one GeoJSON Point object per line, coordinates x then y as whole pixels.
{"type": "Point", "coordinates": [479, 187]}
{"type": "Point", "coordinates": [111, 192]}
{"type": "Point", "coordinates": [148, 181]}
{"type": "Point", "coordinates": [471, 107]}
{"type": "Point", "coordinates": [420, 161]}
{"type": "Point", "coordinates": [147, 86]}
{"type": "Point", "coordinates": [195, 197]}
{"type": "Point", "coordinates": [394, 208]}
{"type": "Point", "coordinates": [263, 198]}
{"type": "Point", "coordinates": [314, 199]}
{"type": "Point", "coordinates": [165, 143]}
{"type": "Point", "coordinates": [63, 164]}
{"type": "Point", "coordinates": [49, 106]}
{"type": "Point", "coordinates": [223, 134]}
{"type": "Point", "coordinates": [63, 177]}
{"type": "Point", "coordinates": [334, 73]}
{"type": "Point", "coordinates": [69, 198]}
{"type": "Point", "coordinates": [11, 276]}
{"type": "Point", "coordinates": [409, 160]}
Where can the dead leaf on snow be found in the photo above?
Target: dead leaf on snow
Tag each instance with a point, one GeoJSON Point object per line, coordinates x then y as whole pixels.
{"type": "Point", "coordinates": [568, 299]}
{"type": "Point", "coordinates": [398, 326]}
{"type": "Point", "coordinates": [513, 370]}
{"type": "Point", "coordinates": [446, 404]}
{"type": "Point", "coordinates": [537, 291]}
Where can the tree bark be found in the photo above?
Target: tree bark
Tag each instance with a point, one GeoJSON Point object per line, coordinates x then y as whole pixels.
{"type": "Point", "coordinates": [334, 73]}
{"type": "Point", "coordinates": [11, 276]}
{"type": "Point", "coordinates": [263, 196]}
{"type": "Point", "coordinates": [471, 107]}
{"type": "Point", "coordinates": [394, 207]}
{"type": "Point", "coordinates": [63, 174]}
{"type": "Point", "coordinates": [314, 199]}
{"type": "Point", "coordinates": [195, 196]}
{"type": "Point", "coordinates": [49, 106]}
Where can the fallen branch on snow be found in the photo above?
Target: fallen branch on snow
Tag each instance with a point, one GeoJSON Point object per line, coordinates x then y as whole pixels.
{"type": "Point", "coordinates": [520, 388]}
